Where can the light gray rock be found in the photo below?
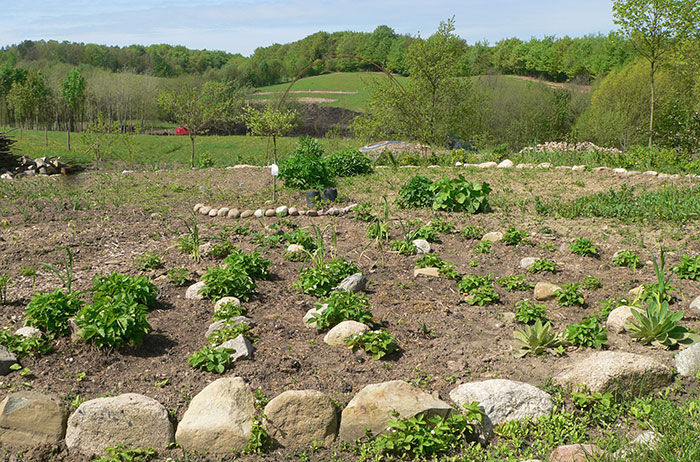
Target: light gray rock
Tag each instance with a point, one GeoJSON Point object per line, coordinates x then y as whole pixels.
{"type": "Point", "coordinates": [487, 165]}
{"type": "Point", "coordinates": [295, 248]}
{"type": "Point", "coordinates": [527, 262]}
{"type": "Point", "coordinates": [458, 164]}
{"type": "Point", "coordinates": [223, 211]}
{"type": "Point", "coordinates": [545, 291]}
{"type": "Point", "coordinates": [233, 213]}
{"type": "Point", "coordinates": [219, 419]}
{"type": "Point", "coordinates": [270, 213]}
{"type": "Point", "coordinates": [504, 400]}
{"type": "Point", "coordinates": [346, 329]}
{"type": "Point", "coordinates": [205, 249]}
{"type": "Point", "coordinates": [204, 210]}
{"type": "Point", "coordinates": [282, 211]}
{"type": "Point", "coordinates": [333, 211]}
{"type": "Point", "coordinates": [311, 213]}
{"type": "Point", "coordinates": [213, 212]}
{"type": "Point", "coordinates": [259, 213]}
{"type": "Point", "coordinates": [422, 246]}
{"type": "Point", "coordinates": [29, 418]}
{"type": "Point", "coordinates": [578, 168]}
{"type": "Point", "coordinates": [309, 320]}
{"type": "Point", "coordinates": [650, 173]}
{"type": "Point", "coordinates": [296, 418]}
{"type": "Point", "coordinates": [226, 300]}
{"type": "Point", "coordinates": [7, 359]}
{"type": "Point", "coordinates": [619, 170]}
{"type": "Point", "coordinates": [606, 371]}
{"type": "Point", "coordinates": [521, 166]}
{"type": "Point", "coordinates": [242, 347]}
{"type": "Point", "coordinates": [353, 283]}
{"type": "Point", "coordinates": [507, 163]}
{"type": "Point", "coordinates": [619, 318]}
{"type": "Point", "coordinates": [494, 236]}
{"type": "Point", "coordinates": [575, 453]}
{"type": "Point", "coordinates": [695, 306]}
{"type": "Point", "coordinates": [247, 214]}
{"type": "Point", "coordinates": [229, 322]}
{"type": "Point", "coordinates": [373, 407]}
{"type": "Point", "coordinates": [192, 292]}
{"type": "Point", "coordinates": [28, 331]}
{"type": "Point", "coordinates": [544, 165]}
{"type": "Point", "coordinates": [293, 211]}
{"type": "Point", "coordinates": [562, 167]}
{"type": "Point", "coordinates": [196, 207]}
{"type": "Point", "coordinates": [130, 419]}
{"type": "Point", "coordinates": [688, 361]}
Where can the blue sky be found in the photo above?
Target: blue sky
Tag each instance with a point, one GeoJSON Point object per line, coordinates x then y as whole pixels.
{"type": "Point", "coordinates": [240, 26]}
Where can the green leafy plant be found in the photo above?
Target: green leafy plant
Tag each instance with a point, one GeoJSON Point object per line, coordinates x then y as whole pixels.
{"type": "Point", "coordinates": [483, 247]}
{"type": "Point", "coordinates": [229, 332]}
{"type": "Point", "coordinates": [179, 276]}
{"type": "Point", "coordinates": [228, 311]}
{"type": "Point", "coordinates": [460, 195]}
{"type": "Point", "coordinates": [543, 265]}
{"type": "Point", "coordinates": [442, 226]}
{"type": "Point", "coordinates": [190, 243]}
{"type": "Point", "coordinates": [300, 237]}
{"type": "Point", "coordinates": [66, 280]}
{"type": "Point", "coordinates": [22, 346]}
{"type": "Point", "coordinates": [569, 295]}
{"type": "Point", "coordinates": [259, 442]}
{"type": "Point", "coordinates": [688, 268]}
{"type": "Point", "coordinates": [342, 306]}
{"type": "Point", "coordinates": [661, 289]}
{"type": "Point", "coordinates": [472, 282]}
{"type": "Point", "coordinates": [205, 160]}
{"type": "Point", "coordinates": [306, 168]}
{"type": "Point", "coordinates": [319, 279]}
{"type": "Point", "coordinates": [514, 236]}
{"type": "Point", "coordinates": [404, 247]}
{"type": "Point", "coordinates": [627, 258]}
{"type": "Point", "coordinates": [601, 408]}
{"type": "Point", "coordinates": [221, 249]}
{"type": "Point", "coordinates": [121, 453]}
{"type": "Point", "coordinates": [659, 326]}
{"type": "Point", "coordinates": [588, 333]}
{"type": "Point", "coordinates": [530, 312]}
{"type": "Point", "coordinates": [378, 230]}
{"type": "Point", "coordinates": [112, 321]}
{"type": "Point", "coordinates": [515, 282]}
{"type": "Point", "coordinates": [591, 283]}
{"type": "Point", "coordinates": [349, 162]}
{"type": "Point", "coordinates": [117, 285]}
{"type": "Point", "coordinates": [416, 193]}
{"type": "Point", "coordinates": [149, 261]}
{"type": "Point", "coordinates": [211, 359]}
{"type": "Point", "coordinates": [227, 281]}
{"type": "Point", "coordinates": [51, 311]}
{"type": "Point", "coordinates": [425, 232]}
{"type": "Point", "coordinates": [251, 263]}
{"type": "Point", "coordinates": [482, 296]}
{"type": "Point", "coordinates": [5, 283]}
{"type": "Point", "coordinates": [537, 339]}
{"type": "Point", "coordinates": [446, 269]}
{"type": "Point", "coordinates": [584, 247]}
{"type": "Point", "coordinates": [473, 232]}
{"type": "Point", "coordinates": [377, 343]}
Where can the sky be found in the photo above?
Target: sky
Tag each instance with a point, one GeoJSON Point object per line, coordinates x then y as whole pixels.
{"type": "Point", "coordinates": [240, 26]}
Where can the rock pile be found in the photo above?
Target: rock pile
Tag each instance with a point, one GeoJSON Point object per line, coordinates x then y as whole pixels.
{"type": "Point", "coordinates": [563, 146]}
{"type": "Point", "coordinates": [27, 166]}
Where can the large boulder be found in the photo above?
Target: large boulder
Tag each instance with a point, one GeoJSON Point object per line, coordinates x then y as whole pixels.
{"type": "Point", "coordinates": [29, 418]}
{"type": "Point", "coordinates": [606, 371]}
{"type": "Point", "coordinates": [130, 419]}
{"type": "Point", "coordinates": [298, 417]}
{"type": "Point", "coordinates": [219, 419]}
{"type": "Point", "coordinates": [373, 407]}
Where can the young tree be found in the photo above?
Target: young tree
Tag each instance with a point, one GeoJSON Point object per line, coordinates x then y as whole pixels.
{"type": "Point", "coordinates": [73, 93]}
{"type": "Point", "coordinates": [654, 27]}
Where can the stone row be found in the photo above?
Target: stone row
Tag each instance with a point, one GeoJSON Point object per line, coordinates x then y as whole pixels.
{"type": "Point", "coordinates": [281, 211]}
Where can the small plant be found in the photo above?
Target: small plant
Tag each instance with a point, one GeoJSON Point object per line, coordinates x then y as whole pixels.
{"type": "Point", "coordinates": [659, 326]}
{"type": "Point", "coordinates": [530, 312]}
{"type": "Point", "coordinates": [446, 269]}
{"type": "Point", "coordinates": [378, 230]}
{"type": "Point", "coordinates": [689, 268]}
{"type": "Point", "coordinates": [482, 296]}
{"type": "Point", "coordinates": [211, 359]}
{"type": "Point", "coordinates": [221, 250]}
{"type": "Point", "coordinates": [259, 441]}
{"type": "Point", "coordinates": [515, 282]}
{"type": "Point", "coordinates": [251, 263]}
{"type": "Point", "coordinates": [470, 283]}
{"type": "Point", "coordinates": [22, 346]}
{"type": "Point", "coordinates": [460, 195]}
{"type": "Point", "coordinates": [660, 290]}
{"type": "Point", "coordinates": [363, 212]}
{"type": "Point", "coordinates": [473, 232]}
{"type": "Point", "coordinates": [537, 339]}
{"type": "Point", "coordinates": [583, 247]}
{"type": "Point", "coordinates": [543, 265]}
{"type": "Point", "coordinates": [514, 236]}
{"type": "Point", "coordinates": [228, 311]}
{"type": "Point", "coordinates": [404, 247]}
{"type": "Point", "coordinates": [569, 295]}
{"type": "Point", "coordinates": [377, 343]}
{"type": "Point", "coordinates": [300, 237]}
{"type": "Point", "coordinates": [416, 193]}
{"type": "Point", "coordinates": [425, 232]}
{"type": "Point", "coordinates": [179, 276]}
{"type": "Point", "coordinates": [190, 243]}
{"type": "Point", "coordinates": [112, 321]}
{"type": "Point", "coordinates": [321, 278]}
{"type": "Point", "coordinates": [121, 453]}
{"type": "Point", "coordinates": [149, 261]}
{"type": "Point", "coordinates": [66, 280]}
{"type": "Point", "coordinates": [627, 258]}
{"type": "Point", "coordinates": [591, 283]}
{"type": "Point", "coordinates": [229, 332]}
{"type": "Point", "coordinates": [588, 333]}
{"type": "Point", "coordinates": [442, 226]}
{"type": "Point", "coordinates": [117, 285]}
{"type": "Point", "coordinates": [205, 160]}
{"type": "Point", "coordinates": [227, 281]}
{"type": "Point", "coordinates": [483, 247]}
{"type": "Point", "coordinates": [51, 311]}
{"type": "Point", "coordinates": [342, 306]}
{"type": "Point", "coordinates": [5, 283]}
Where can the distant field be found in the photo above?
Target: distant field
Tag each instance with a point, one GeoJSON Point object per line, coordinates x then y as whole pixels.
{"type": "Point", "coordinates": [156, 151]}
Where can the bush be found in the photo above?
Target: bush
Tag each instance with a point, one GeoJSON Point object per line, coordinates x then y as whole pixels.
{"type": "Point", "coordinates": [378, 343]}
{"type": "Point", "coordinates": [305, 168]}
{"type": "Point", "coordinates": [251, 263]}
{"type": "Point", "coordinates": [416, 193]}
{"type": "Point", "coordinates": [211, 359]}
{"type": "Point", "coordinates": [51, 311]}
{"type": "Point", "coordinates": [118, 285]}
{"type": "Point", "coordinates": [342, 306]}
{"type": "Point", "coordinates": [112, 321]}
{"type": "Point", "coordinates": [460, 195]}
{"type": "Point", "coordinates": [320, 279]}
{"type": "Point", "coordinates": [227, 281]}
{"type": "Point", "coordinates": [350, 162]}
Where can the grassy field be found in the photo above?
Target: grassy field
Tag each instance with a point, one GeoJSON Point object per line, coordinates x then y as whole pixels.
{"type": "Point", "coordinates": [154, 151]}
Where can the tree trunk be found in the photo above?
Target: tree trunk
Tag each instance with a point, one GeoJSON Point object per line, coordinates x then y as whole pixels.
{"type": "Point", "coordinates": [274, 161]}
{"type": "Point", "coordinates": [651, 112]}
{"type": "Point", "coordinates": [192, 154]}
{"type": "Point", "coordinates": [46, 134]}
{"type": "Point", "coordinates": [70, 127]}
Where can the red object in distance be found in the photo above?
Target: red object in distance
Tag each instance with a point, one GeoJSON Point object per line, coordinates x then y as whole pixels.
{"type": "Point", "coordinates": [182, 131]}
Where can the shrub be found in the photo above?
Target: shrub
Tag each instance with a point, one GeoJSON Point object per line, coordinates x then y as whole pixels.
{"type": "Point", "coordinates": [211, 359]}
{"type": "Point", "coordinates": [320, 279]}
{"type": "Point", "coordinates": [627, 258]}
{"type": "Point", "coordinates": [542, 264]}
{"type": "Point", "coordinates": [349, 162]}
{"type": "Point", "coordinates": [227, 281]}
{"type": "Point", "coordinates": [514, 236]}
{"type": "Point", "coordinates": [251, 263]}
{"type": "Point", "coordinates": [342, 306]}
{"type": "Point", "coordinates": [416, 193]}
{"type": "Point", "coordinates": [460, 195]}
{"type": "Point", "coordinates": [583, 247]}
{"type": "Point", "coordinates": [689, 268]}
{"type": "Point", "coordinates": [305, 168]}
{"type": "Point", "coordinates": [377, 343]}
{"type": "Point", "coordinates": [569, 295]}
{"type": "Point", "coordinates": [51, 311]}
{"type": "Point", "coordinates": [530, 312]}
{"type": "Point", "coordinates": [537, 339]}
{"type": "Point", "coordinates": [117, 285]}
{"type": "Point", "coordinates": [112, 321]}
{"type": "Point", "coordinates": [588, 333]}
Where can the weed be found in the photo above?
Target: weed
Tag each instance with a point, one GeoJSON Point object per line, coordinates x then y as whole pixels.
{"type": "Point", "coordinates": [416, 193]}
{"type": "Point", "coordinates": [442, 226]}
{"type": "Point", "coordinates": [221, 250]}
{"type": "Point", "coordinates": [404, 247]}
{"type": "Point", "coordinates": [229, 332]}
{"type": "Point", "coordinates": [515, 282]}
{"type": "Point", "coordinates": [425, 232]}
{"type": "Point", "coordinates": [627, 258]}
{"type": "Point", "coordinates": [688, 268]}
{"type": "Point", "coordinates": [179, 276]}
{"type": "Point", "coordinates": [67, 281]}
{"type": "Point", "coordinates": [584, 247]}
{"type": "Point", "coordinates": [513, 236]}
{"type": "Point", "coordinates": [342, 306]}
{"type": "Point", "coordinates": [5, 283]}
{"type": "Point", "coordinates": [529, 312]}
{"type": "Point", "coordinates": [190, 243]}
{"type": "Point", "coordinates": [483, 247]}
{"type": "Point", "coordinates": [211, 359]}
{"type": "Point", "coordinates": [569, 295]}
{"type": "Point", "coordinates": [51, 311]}
{"type": "Point", "coordinates": [149, 261]}
{"type": "Point", "coordinates": [591, 283]}
{"type": "Point", "coordinates": [377, 343]}
{"type": "Point", "coordinates": [446, 269]}
{"type": "Point", "coordinates": [320, 279]}
{"type": "Point", "coordinates": [473, 232]}
{"type": "Point", "coordinates": [537, 339]}
{"type": "Point", "coordinates": [588, 333]}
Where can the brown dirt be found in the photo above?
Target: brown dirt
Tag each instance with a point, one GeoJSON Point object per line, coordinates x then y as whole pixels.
{"type": "Point", "coordinates": [443, 340]}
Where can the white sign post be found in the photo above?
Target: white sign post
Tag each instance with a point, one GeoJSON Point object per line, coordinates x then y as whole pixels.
{"type": "Point", "coordinates": [274, 170]}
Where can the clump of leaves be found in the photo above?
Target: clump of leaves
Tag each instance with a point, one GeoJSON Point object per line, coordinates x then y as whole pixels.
{"type": "Point", "coordinates": [601, 408]}
{"type": "Point", "coordinates": [228, 311]}
{"type": "Point", "coordinates": [227, 281]}
{"type": "Point", "coordinates": [473, 232]}
{"type": "Point", "coordinates": [319, 279]}
{"type": "Point", "coordinates": [584, 247]}
{"type": "Point", "coordinates": [22, 346]}
{"type": "Point", "coordinates": [50, 311]}
{"type": "Point", "coordinates": [349, 162]}
{"type": "Point", "coordinates": [121, 453]}
{"type": "Point", "coordinates": [446, 269]}
{"type": "Point", "coordinates": [543, 265]}
{"type": "Point", "coordinates": [591, 283]}
{"type": "Point", "coordinates": [530, 312]}
{"type": "Point", "coordinates": [221, 250]}
{"type": "Point", "coordinates": [588, 333]}
{"type": "Point", "coordinates": [416, 193]}
{"type": "Point", "coordinates": [570, 295]}
{"type": "Point", "coordinates": [377, 343]}
{"type": "Point", "coordinates": [251, 263]}
{"type": "Point", "coordinates": [442, 226]}
{"type": "Point", "coordinates": [149, 261]}
{"type": "Point", "coordinates": [688, 268]}
{"type": "Point", "coordinates": [659, 326]}
{"type": "Point", "coordinates": [342, 306]}
{"type": "Point", "coordinates": [472, 282]}
{"type": "Point", "coordinates": [425, 232]}
{"type": "Point", "coordinates": [484, 295]}
{"type": "Point", "coordinates": [113, 320]}
{"type": "Point", "coordinates": [460, 195]}
{"type": "Point", "coordinates": [300, 237]}
{"type": "Point", "coordinates": [229, 332]}
{"type": "Point", "coordinates": [483, 247]}
{"type": "Point", "coordinates": [211, 359]}
{"type": "Point", "coordinates": [515, 282]}
{"type": "Point", "coordinates": [179, 276]}
{"type": "Point", "coordinates": [378, 230]}
{"type": "Point", "coordinates": [117, 285]}
{"type": "Point", "coordinates": [514, 236]}
{"type": "Point", "coordinates": [627, 258]}
{"type": "Point", "coordinates": [537, 339]}
{"type": "Point", "coordinates": [661, 289]}
{"type": "Point", "coordinates": [404, 247]}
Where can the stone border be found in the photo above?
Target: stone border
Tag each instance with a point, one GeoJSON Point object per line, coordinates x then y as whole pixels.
{"type": "Point", "coordinates": [281, 211]}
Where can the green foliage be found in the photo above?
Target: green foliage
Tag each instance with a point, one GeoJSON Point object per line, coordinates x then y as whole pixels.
{"type": "Point", "coordinates": [120, 453]}
{"type": "Point", "coordinates": [659, 326]}
{"type": "Point", "coordinates": [227, 281]}
{"type": "Point", "coordinates": [404, 247]}
{"type": "Point", "coordinates": [484, 295]}
{"type": "Point", "coordinates": [211, 359]}
{"type": "Point", "coordinates": [460, 195]}
{"type": "Point", "coordinates": [591, 283]}
{"type": "Point", "coordinates": [377, 343]}
{"type": "Point", "coordinates": [442, 226]}
{"type": "Point", "coordinates": [543, 265]}
{"type": "Point", "coordinates": [300, 237]}
{"type": "Point", "coordinates": [446, 269]}
{"type": "Point", "coordinates": [67, 281]}
{"type": "Point", "coordinates": [305, 168]}
{"type": "Point", "coordinates": [425, 232]}
{"type": "Point", "coordinates": [229, 332]}
{"type": "Point", "coordinates": [117, 285]}
{"type": "Point", "coordinates": [378, 230]}
{"type": "Point", "coordinates": [5, 283]}
{"type": "Point", "coordinates": [320, 279]}
{"type": "Point", "coordinates": [483, 247]}
{"type": "Point", "coordinates": [179, 276]}
{"type": "Point", "coordinates": [600, 408]}
{"type": "Point", "coordinates": [190, 243]}
{"type": "Point", "coordinates": [22, 346]}
{"type": "Point", "coordinates": [661, 290]}
{"type": "Point", "coordinates": [251, 263]}
{"type": "Point", "coordinates": [270, 121]}
{"type": "Point", "coordinates": [113, 320]}
{"type": "Point", "coordinates": [342, 306]}
{"type": "Point", "coordinates": [473, 232]}
{"type": "Point", "coordinates": [584, 247]}
{"type": "Point", "coordinates": [537, 339]}
{"type": "Point", "coordinates": [416, 193]}
{"type": "Point", "coordinates": [627, 258]}
{"type": "Point", "coordinates": [529, 312]}
{"type": "Point", "coordinates": [205, 161]}
{"type": "Point", "coordinates": [259, 442]}
{"type": "Point", "coordinates": [221, 250]}
{"type": "Point", "coordinates": [50, 311]}
{"type": "Point", "coordinates": [515, 282]}
{"type": "Point", "coordinates": [149, 261]}
{"type": "Point", "coordinates": [688, 268]}
{"type": "Point", "coordinates": [425, 438]}
{"type": "Point", "coordinates": [228, 310]}
{"type": "Point", "coordinates": [514, 236]}
{"type": "Point", "coordinates": [588, 333]}
{"type": "Point", "coordinates": [569, 295]}
{"type": "Point", "coordinates": [349, 162]}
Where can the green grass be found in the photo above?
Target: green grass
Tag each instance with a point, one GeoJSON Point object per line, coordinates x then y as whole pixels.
{"type": "Point", "coordinates": [360, 82]}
